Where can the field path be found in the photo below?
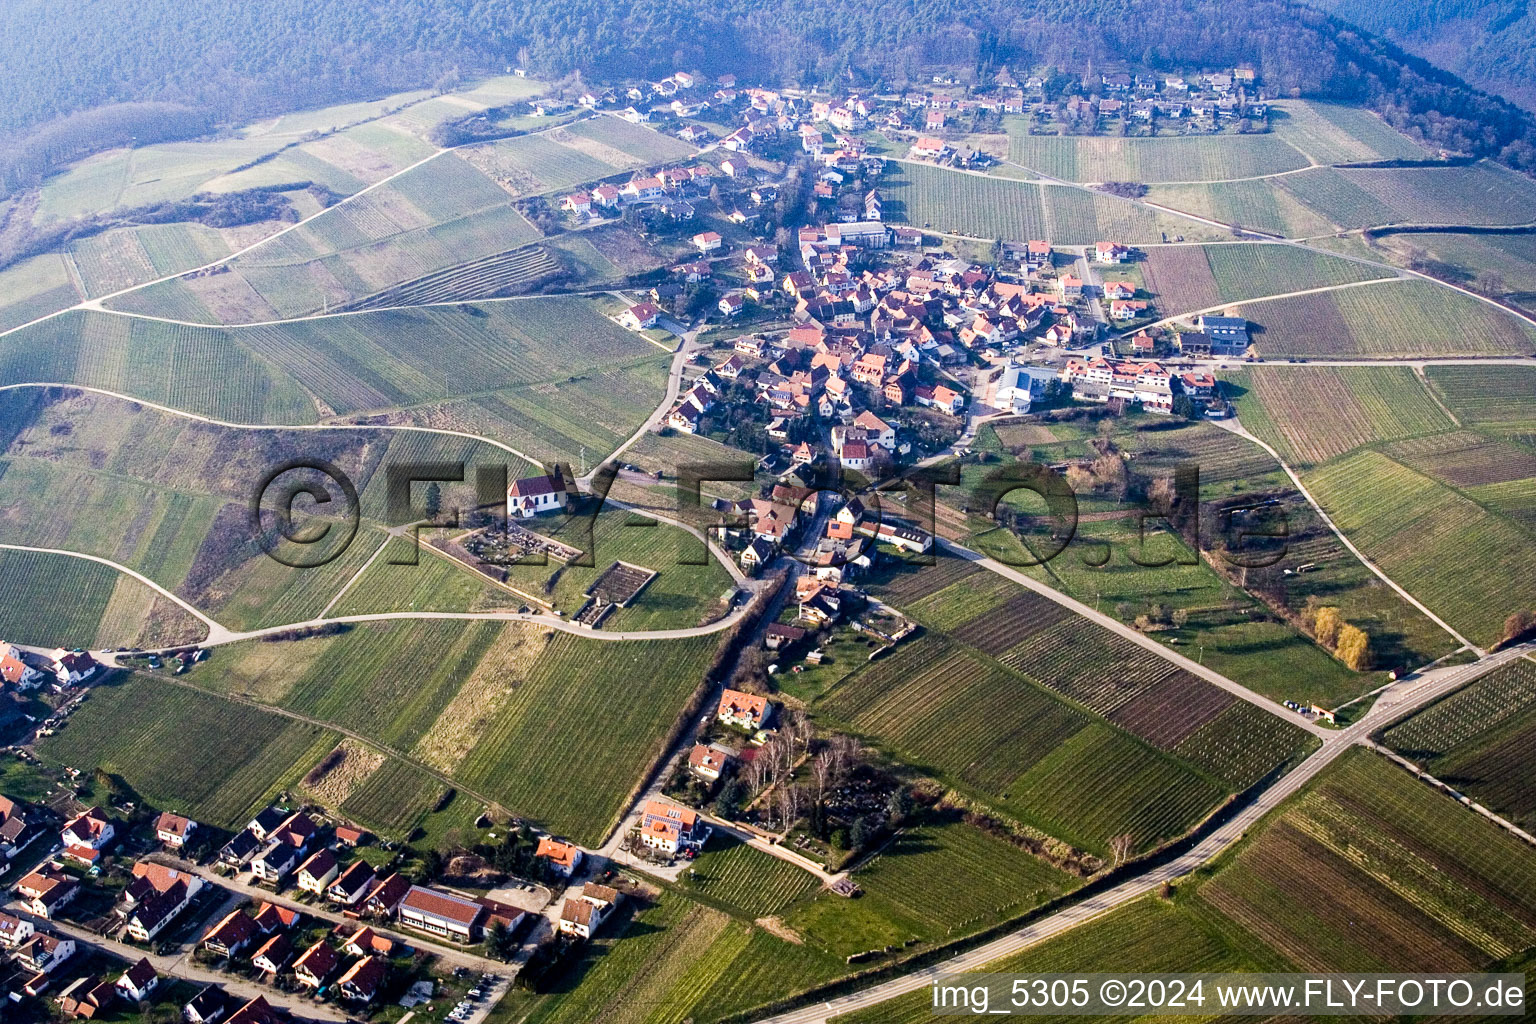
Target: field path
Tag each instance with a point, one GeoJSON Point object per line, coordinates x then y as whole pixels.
{"type": "Point", "coordinates": [1233, 426]}
{"type": "Point", "coordinates": [274, 426]}
{"type": "Point", "coordinates": [214, 628]}
{"type": "Point", "coordinates": [1397, 700]}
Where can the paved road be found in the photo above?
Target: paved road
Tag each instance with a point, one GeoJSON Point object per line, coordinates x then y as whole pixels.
{"type": "Point", "coordinates": [181, 965]}
{"type": "Point", "coordinates": [327, 912]}
{"type": "Point", "coordinates": [1396, 701]}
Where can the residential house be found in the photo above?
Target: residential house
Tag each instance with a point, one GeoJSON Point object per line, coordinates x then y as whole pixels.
{"type": "Point", "coordinates": [779, 635]}
{"type": "Point", "coordinates": [274, 917]}
{"type": "Point", "coordinates": [44, 953]}
{"type": "Point", "coordinates": [670, 828]}
{"type": "Point", "coordinates": [318, 871]}
{"type": "Point", "coordinates": [15, 670]}
{"type": "Point", "coordinates": [240, 849]}
{"type": "Point", "coordinates": [708, 241]}
{"type": "Point", "coordinates": [385, 897]}
{"type": "Point", "coordinates": [564, 858]}
{"type": "Point", "coordinates": [362, 981]}
{"type": "Point", "coordinates": [928, 148]}
{"type": "Point", "coordinates": [91, 829]}
{"type": "Point", "coordinates": [174, 829]}
{"type": "Point", "coordinates": [209, 1006]}
{"type": "Point", "coordinates": [745, 710]}
{"type": "Point", "coordinates": [257, 1011]}
{"type": "Point", "coordinates": [1111, 252]}
{"type": "Point", "coordinates": [1228, 334]}
{"type": "Point", "coordinates": [157, 910]}
{"type": "Point", "coordinates": [139, 981]}
{"type": "Point", "coordinates": [441, 913]}
{"type": "Point", "coordinates": [315, 965]}
{"type": "Point", "coordinates": [876, 430]}
{"type": "Point", "coordinates": [579, 203]}
{"type": "Point", "coordinates": [363, 942]}
{"type": "Point", "coordinates": [85, 997]}
{"type": "Point", "coordinates": [352, 884]}
{"type": "Point", "coordinates": [231, 934]}
{"type": "Point", "coordinates": [708, 761]}
{"type": "Point", "coordinates": [640, 317]}
{"type": "Point", "coordinates": [585, 914]}
{"type": "Point", "coordinates": [46, 889]}
{"type": "Point", "coordinates": [15, 930]}
{"type": "Point", "coordinates": [275, 862]}
{"type": "Point", "coordinates": [731, 304]}
{"type": "Point", "coordinates": [73, 667]}
{"type": "Point", "coordinates": [273, 956]}
{"type": "Point", "coordinates": [16, 827]}
{"type": "Point", "coordinates": [350, 836]}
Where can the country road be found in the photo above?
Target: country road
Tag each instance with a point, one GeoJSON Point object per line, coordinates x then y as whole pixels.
{"type": "Point", "coordinates": [1396, 701]}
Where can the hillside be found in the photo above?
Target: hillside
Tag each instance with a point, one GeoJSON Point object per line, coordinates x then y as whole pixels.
{"type": "Point", "coordinates": [234, 61]}
{"type": "Point", "coordinates": [1490, 44]}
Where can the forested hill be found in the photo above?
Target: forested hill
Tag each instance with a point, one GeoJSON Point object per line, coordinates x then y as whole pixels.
{"type": "Point", "coordinates": [234, 59]}
{"type": "Point", "coordinates": [1490, 43]}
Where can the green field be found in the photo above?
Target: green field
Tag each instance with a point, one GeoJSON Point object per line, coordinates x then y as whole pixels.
{"type": "Point", "coordinates": [199, 754]}
{"type": "Point", "coordinates": [1333, 134]}
{"type": "Point", "coordinates": [1245, 271]}
{"type": "Point", "coordinates": [1394, 318]}
{"type": "Point", "coordinates": [1462, 560]}
{"type": "Point", "coordinates": [432, 584]}
{"type": "Point", "coordinates": [33, 288]}
{"type": "Point", "coordinates": [1478, 740]}
{"type": "Point", "coordinates": [1413, 882]}
{"type": "Point", "coordinates": [745, 879]}
{"type": "Point", "coordinates": [1258, 204]}
{"type": "Point", "coordinates": [1498, 398]}
{"type": "Point", "coordinates": [508, 370]}
{"type": "Point", "coordinates": [1311, 414]}
{"type": "Point", "coordinates": [676, 960]}
{"type": "Point", "coordinates": [1186, 158]}
{"type": "Point", "coordinates": [104, 607]}
{"type": "Point", "coordinates": [510, 711]}
{"type": "Point", "coordinates": [1483, 193]}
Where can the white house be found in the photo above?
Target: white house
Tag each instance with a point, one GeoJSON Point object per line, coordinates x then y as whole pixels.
{"type": "Point", "coordinates": [585, 914]}
{"type": "Point", "coordinates": [174, 829]}
{"type": "Point", "coordinates": [91, 829]}
{"type": "Point", "coordinates": [319, 871]}
{"type": "Point", "coordinates": [537, 495]}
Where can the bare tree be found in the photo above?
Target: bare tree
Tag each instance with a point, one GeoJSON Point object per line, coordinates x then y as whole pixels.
{"type": "Point", "coordinates": [1120, 847]}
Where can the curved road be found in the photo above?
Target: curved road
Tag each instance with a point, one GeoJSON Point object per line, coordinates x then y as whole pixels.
{"type": "Point", "coordinates": [1397, 700]}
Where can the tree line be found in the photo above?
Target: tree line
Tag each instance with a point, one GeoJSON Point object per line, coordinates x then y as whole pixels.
{"type": "Point", "coordinates": [229, 61]}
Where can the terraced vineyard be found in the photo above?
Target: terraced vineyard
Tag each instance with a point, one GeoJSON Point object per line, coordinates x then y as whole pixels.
{"type": "Point", "coordinates": [1178, 158]}
{"type": "Point", "coordinates": [693, 961]}
{"type": "Point", "coordinates": [504, 273]}
{"type": "Point", "coordinates": [172, 745]}
{"type": "Point", "coordinates": [1482, 193]}
{"type": "Point", "coordinates": [1415, 880]}
{"type": "Point", "coordinates": [747, 879]}
{"type": "Point", "coordinates": [1246, 271]}
{"type": "Point", "coordinates": [1311, 414]}
{"type": "Point", "coordinates": [1429, 884]}
{"type": "Point", "coordinates": [987, 879]}
{"type": "Point", "coordinates": [1503, 398]}
{"type": "Point", "coordinates": [1394, 318]}
{"type": "Point", "coordinates": [1478, 740]}
{"type": "Point", "coordinates": [1456, 556]}
{"type": "Point", "coordinates": [394, 798]}
{"type": "Point", "coordinates": [966, 204]}
{"type": "Point", "coordinates": [105, 608]}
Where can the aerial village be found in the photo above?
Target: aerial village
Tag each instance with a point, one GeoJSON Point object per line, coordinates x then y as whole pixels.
{"type": "Point", "coordinates": [843, 348]}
